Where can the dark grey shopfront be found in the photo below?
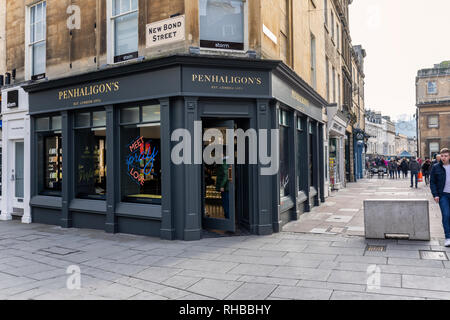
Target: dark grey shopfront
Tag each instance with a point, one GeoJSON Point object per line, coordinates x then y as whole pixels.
{"type": "Point", "coordinates": [101, 147]}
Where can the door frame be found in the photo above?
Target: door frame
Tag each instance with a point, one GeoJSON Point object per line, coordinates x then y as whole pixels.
{"type": "Point", "coordinates": [214, 223]}
{"type": "Point", "coordinates": [15, 201]}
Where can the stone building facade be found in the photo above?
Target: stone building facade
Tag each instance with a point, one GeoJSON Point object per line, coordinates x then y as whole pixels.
{"type": "Point", "coordinates": [358, 111]}
{"type": "Point", "coordinates": [433, 109]}
{"type": "Point", "coordinates": [2, 37]}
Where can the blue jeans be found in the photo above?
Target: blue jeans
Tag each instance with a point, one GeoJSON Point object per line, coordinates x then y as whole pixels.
{"type": "Point", "coordinates": [226, 204]}
{"type": "Point", "coordinates": [414, 175]}
{"type": "Point", "coordinates": [444, 203]}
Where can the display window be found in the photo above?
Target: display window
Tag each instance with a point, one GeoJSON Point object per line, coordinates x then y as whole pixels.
{"type": "Point", "coordinates": [284, 153]}
{"type": "Point", "coordinates": [50, 156]}
{"type": "Point", "coordinates": [90, 155]}
{"type": "Point", "coordinates": [140, 136]}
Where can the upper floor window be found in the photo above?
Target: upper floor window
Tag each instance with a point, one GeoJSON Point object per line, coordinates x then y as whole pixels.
{"type": "Point", "coordinates": [222, 24]}
{"type": "Point", "coordinates": [432, 87]}
{"type": "Point", "coordinates": [325, 11]}
{"type": "Point", "coordinates": [433, 121]}
{"type": "Point", "coordinates": [37, 40]}
{"type": "Point", "coordinates": [124, 27]}
{"type": "Point", "coordinates": [332, 26]}
{"type": "Point", "coordinates": [313, 61]}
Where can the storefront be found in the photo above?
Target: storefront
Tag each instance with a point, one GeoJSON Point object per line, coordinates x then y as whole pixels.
{"type": "Point", "coordinates": [15, 155]}
{"type": "Point", "coordinates": [337, 147]}
{"type": "Point", "coordinates": [106, 148]}
{"type": "Point", "coordinates": [360, 154]}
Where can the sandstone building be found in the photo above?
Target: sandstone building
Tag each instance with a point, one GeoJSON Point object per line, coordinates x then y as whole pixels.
{"type": "Point", "coordinates": [433, 109]}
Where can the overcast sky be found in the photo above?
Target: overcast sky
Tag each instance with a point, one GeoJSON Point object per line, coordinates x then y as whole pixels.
{"type": "Point", "coordinates": [400, 37]}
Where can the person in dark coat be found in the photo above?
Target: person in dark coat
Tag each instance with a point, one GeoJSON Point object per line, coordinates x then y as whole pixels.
{"type": "Point", "coordinates": [440, 188]}
{"type": "Point", "coordinates": [414, 167]}
{"type": "Point", "coordinates": [404, 166]}
{"type": "Point", "coordinates": [426, 169]}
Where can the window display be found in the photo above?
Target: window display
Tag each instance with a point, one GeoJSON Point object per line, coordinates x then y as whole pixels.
{"type": "Point", "coordinates": [90, 150]}
{"type": "Point", "coordinates": [141, 154]}
{"type": "Point", "coordinates": [49, 155]}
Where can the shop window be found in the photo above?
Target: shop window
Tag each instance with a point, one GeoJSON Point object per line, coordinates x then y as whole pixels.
{"type": "Point", "coordinates": [434, 148]}
{"type": "Point", "coordinates": [50, 155]}
{"type": "Point", "coordinates": [222, 24]}
{"type": "Point", "coordinates": [284, 153]}
{"type": "Point", "coordinates": [90, 155]}
{"type": "Point", "coordinates": [140, 136]}
{"type": "Point", "coordinates": [300, 152]}
{"type": "Point", "coordinates": [36, 24]}
{"type": "Point", "coordinates": [124, 27]}
{"type": "Point", "coordinates": [433, 121]}
{"type": "Point", "coordinates": [311, 154]}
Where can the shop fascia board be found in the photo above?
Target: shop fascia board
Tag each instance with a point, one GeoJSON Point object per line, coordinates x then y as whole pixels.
{"type": "Point", "coordinates": [150, 65]}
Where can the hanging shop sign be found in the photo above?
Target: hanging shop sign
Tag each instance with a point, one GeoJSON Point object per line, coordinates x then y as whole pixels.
{"type": "Point", "coordinates": [166, 31]}
{"type": "Point", "coordinates": [12, 100]}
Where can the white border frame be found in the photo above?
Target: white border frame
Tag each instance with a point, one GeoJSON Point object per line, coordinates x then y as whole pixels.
{"type": "Point", "coordinates": [28, 44]}
{"type": "Point", "coordinates": [246, 30]}
{"type": "Point", "coordinates": [110, 32]}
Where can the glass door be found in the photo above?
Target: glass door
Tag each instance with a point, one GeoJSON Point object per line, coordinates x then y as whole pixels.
{"type": "Point", "coordinates": [218, 187]}
{"type": "Point", "coordinates": [18, 174]}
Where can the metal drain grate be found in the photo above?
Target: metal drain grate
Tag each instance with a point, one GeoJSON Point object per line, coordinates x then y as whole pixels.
{"type": "Point", "coordinates": [372, 248]}
{"type": "Point", "coordinates": [433, 255]}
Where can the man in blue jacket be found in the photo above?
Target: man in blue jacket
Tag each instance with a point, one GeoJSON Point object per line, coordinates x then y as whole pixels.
{"type": "Point", "coordinates": [440, 188]}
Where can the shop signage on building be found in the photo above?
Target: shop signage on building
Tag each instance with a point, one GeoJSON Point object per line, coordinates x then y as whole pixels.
{"type": "Point", "coordinates": [225, 81]}
{"type": "Point", "coordinates": [13, 99]}
{"type": "Point", "coordinates": [166, 31]}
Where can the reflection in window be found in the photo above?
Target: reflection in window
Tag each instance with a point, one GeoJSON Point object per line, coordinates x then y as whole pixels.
{"type": "Point", "coordinates": [141, 154]}
{"type": "Point", "coordinates": [90, 151]}
{"type": "Point", "coordinates": [222, 24]}
{"type": "Point", "coordinates": [49, 155]}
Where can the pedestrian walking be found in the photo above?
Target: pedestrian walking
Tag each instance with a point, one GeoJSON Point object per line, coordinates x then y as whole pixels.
{"type": "Point", "coordinates": [392, 168]}
{"type": "Point", "coordinates": [440, 188]}
{"type": "Point", "coordinates": [399, 169]}
{"type": "Point", "coordinates": [414, 167]}
{"type": "Point", "coordinates": [404, 166]}
{"type": "Point", "coordinates": [426, 169]}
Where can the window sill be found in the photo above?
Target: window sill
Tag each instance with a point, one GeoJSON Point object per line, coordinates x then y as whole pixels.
{"type": "Point", "coordinates": [137, 210]}
{"type": "Point", "coordinates": [212, 51]}
{"type": "Point", "coordinates": [286, 203]}
{"type": "Point", "coordinates": [46, 202]}
{"type": "Point", "coordinates": [112, 64]}
{"type": "Point", "coordinates": [86, 205]}
{"type": "Point", "coordinates": [301, 197]}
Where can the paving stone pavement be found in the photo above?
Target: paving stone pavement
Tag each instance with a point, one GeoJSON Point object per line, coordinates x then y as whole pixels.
{"type": "Point", "coordinates": [293, 264]}
{"type": "Point", "coordinates": [343, 213]}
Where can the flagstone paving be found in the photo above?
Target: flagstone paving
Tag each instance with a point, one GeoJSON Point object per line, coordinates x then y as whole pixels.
{"type": "Point", "coordinates": [343, 212]}
{"type": "Point", "coordinates": [313, 258]}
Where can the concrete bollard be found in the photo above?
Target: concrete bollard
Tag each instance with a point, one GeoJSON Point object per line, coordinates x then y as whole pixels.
{"type": "Point", "coordinates": [400, 219]}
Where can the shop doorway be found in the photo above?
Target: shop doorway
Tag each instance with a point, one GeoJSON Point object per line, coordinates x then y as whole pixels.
{"type": "Point", "coordinates": [17, 176]}
{"type": "Point", "coordinates": [225, 188]}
